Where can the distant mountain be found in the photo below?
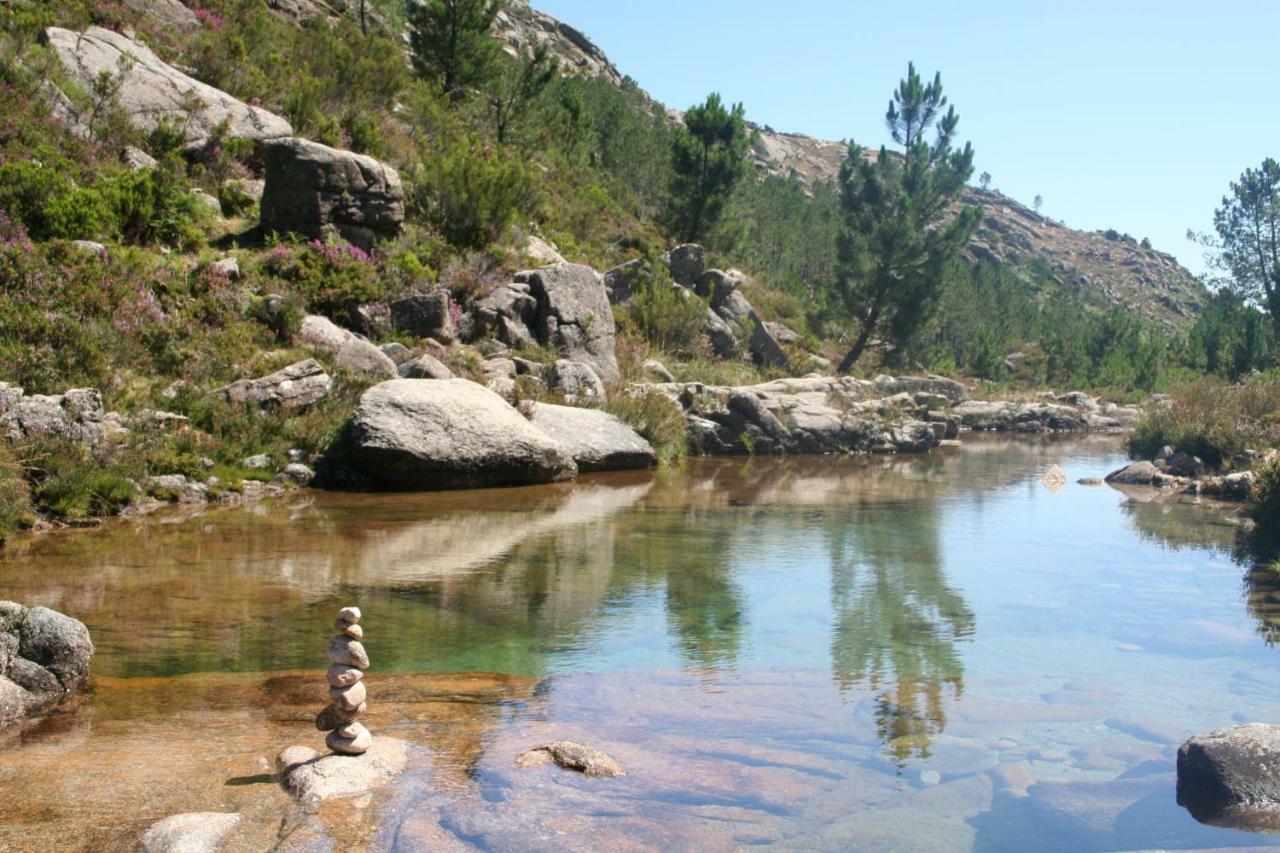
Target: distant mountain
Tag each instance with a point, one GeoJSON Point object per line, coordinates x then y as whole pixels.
{"type": "Point", "coordinates": [1104, 268]}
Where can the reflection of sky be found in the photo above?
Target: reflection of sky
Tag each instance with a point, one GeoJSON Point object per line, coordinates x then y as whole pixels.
{"type": "Point", "coordinates": [1063, 586]}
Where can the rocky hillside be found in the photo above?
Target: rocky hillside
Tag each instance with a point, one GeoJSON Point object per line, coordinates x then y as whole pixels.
{"type": "Point", "coordinates": [1104, 267]}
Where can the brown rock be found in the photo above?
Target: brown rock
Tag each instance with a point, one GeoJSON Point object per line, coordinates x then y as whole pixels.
{"type": "Point", "coordinates": [333, 717]}
{"type": "Point", "coordinates": [348, 652]}
{"type": "Point", "coordinates": [343, 676]}
{"type": "Point", "coordinates": [348, 698]}
{"type": "Point", "coordinates": [573, 756]}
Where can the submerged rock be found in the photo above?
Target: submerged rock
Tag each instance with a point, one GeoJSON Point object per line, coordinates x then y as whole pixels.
{"type": "Point", "coordinates": [197, 832]}
{"type": "Point", "coordinates": [569, 755]}
{"type": "Point", "coordinates": [414, 434]}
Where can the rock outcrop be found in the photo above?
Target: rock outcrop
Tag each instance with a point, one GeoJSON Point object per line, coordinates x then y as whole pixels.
{"type": "Point", "coordinates": [573, 315]}
{"type": "Point", "coordinates": [597, 440]}
{"type": "Point", "coordinates": [425, 315]}
{"type": "Point", "coordinates": [312, 189]}
{"type": "Point", "coordinates": [44, 659]}
{"type": "Point", "coordinates": [152, 92]}
{"type": "Point", "coordinates": [350, 351]}
{"type": "Point", "coordinates": [77, 415]}
{"type": "Point", "coordinates": [809, 415]}
{"type": "Point", "coordinates": [294, 387]}
{"type": "Point", "coordinates": [413, 434]}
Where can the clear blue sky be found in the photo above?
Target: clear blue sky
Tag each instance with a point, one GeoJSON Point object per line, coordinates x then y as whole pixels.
{"type": "Point", "coordinates": [1123, 114]}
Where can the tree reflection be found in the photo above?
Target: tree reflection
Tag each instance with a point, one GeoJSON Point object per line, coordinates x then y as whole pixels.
{"type": "Point", "coordinates": [897, 621]}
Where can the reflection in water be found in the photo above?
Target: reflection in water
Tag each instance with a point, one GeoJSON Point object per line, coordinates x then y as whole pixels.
{"type": "Point", "coordinates": [897, 620]}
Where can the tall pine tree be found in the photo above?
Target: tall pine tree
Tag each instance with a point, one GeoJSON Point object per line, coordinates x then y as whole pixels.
{"type": "Point", "coordinates": [899, 231]}
{"type": "Point", "coordinates": [450, 42]}
{"type": "Point", "coordinates": [708, 157]}
{"type": "Point", "coordinates": [1248, 226]}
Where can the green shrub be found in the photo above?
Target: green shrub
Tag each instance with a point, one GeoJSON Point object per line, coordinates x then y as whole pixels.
{"type": "Point", "coordinates": [1213, 420]}
{"type": "Point", "coordinates": [70, 485]}
{"type": "Point", "coordinates": [335, 280]}
{"type": "Point", "coordinates": [15, 496]}
{"type": "Point", "coordinates": [656, 417]}
{"type": "Point", "coordinates": [1264, 503]}
{"type": "Point", "coordinates": [670, 319]}
{"type": "Point", "coordinates": [472, 192]}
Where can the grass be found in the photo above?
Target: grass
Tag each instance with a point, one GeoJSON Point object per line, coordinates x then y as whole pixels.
{"type": "Point", "coordinates": [658, 419]}
{"type": "Point", "coordinates": [1214, 420]}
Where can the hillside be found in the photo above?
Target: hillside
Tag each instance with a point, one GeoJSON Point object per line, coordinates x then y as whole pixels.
{"type": "Point", "coordinates": [1103, 268]}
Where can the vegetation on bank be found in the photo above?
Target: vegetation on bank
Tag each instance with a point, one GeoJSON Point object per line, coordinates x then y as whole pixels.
{"type": "Point", "coordinates": [492, 148]}
{"type": "Point", "coordinates": [1226, 425]}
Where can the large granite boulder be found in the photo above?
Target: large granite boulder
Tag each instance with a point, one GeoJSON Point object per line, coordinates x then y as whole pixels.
{"type": "Point", "coordinates": [294, 387]}
{"type": "Point", "coordinates": [350, 351]}
{"type": "Point", "coordinates": [424, 315]}
{"type": "Point", "coordinates": [44, 658]}
{"type": "Point", "coordinates": [574, 316]}
{"type": "Point", "coordinates": [597, 440]}
{"type": "Point", "coordinates": [153, 92]}
{"type": "Point", "coordinates": [312, 188]}
{"type": "Point", "coordinates": [1235, 769]}
{"type": "Point", "coordinates": [420, 435]}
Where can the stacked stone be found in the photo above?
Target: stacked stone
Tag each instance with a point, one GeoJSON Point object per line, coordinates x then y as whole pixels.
{"type": "Point", "coordinates": [346, 688]}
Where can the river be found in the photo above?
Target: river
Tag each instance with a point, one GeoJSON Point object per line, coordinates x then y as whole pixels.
{"type": "Point", "coordinates": [910, 653]}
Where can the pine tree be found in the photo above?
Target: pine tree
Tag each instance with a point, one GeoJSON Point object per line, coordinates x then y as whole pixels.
{"type": "Point", "coordinates": [517, 85]}
{"type": "Point", "coordinates": [1248, 226]}
{"type": "Point", "coordinates": [708, 157]}
{"type": "Point", "coordinates": [900, 232]}
{"type": "Point", "coordinates": [450, 42]}
{"type": "Point", "coordinates": [984, 180]}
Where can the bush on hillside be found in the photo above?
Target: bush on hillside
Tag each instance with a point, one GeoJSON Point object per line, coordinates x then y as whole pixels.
{"type": "Point", "coordinates": [672, 320]}
{"type": "Point", "coordinates": [471, 193]}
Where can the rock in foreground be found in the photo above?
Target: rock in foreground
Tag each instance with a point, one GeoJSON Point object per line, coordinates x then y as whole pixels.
{"type": "Point", "coordinates": [597, 440]}
{"type": "Point", "coordinates": [315, 780]}
{"type": "Point", "coordinates": [1228, 773]}
{"type": "Point", "coordinates": [190, 833]}
{"type": "Point", "coordinates": [420, 434]}
{"type": "Point", "coordinates": [44, 658]}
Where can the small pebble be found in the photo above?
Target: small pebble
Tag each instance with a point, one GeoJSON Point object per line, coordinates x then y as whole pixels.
{"type": "Point", "coordinates": [349, 614]}
{"type": "Point", "coordinates": [349, 746]}
{"type": "Point", "coordinates": [351, 730]}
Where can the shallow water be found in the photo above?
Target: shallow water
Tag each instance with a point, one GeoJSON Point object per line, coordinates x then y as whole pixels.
{"type": "Point", "coordinates": [934, 653]}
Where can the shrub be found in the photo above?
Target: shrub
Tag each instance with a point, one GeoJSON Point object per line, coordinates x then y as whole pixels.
{"type": "Point", "coordinates": [670, 319]}
{"type": "Point", "coordinates": [1213, 420]}
{"type": "Point", "coordinates": [69, 484]}
{"type": "Point", "coordinates": [335, 280]}
{"type": "Point", "coordinates": [472, 192]}
{"type": "Point", "coordinates": [656, 417]}
{"type": "Point", "coordinates": [15, 496]}
{"type": "Point", "coordinates": [1264, 509]}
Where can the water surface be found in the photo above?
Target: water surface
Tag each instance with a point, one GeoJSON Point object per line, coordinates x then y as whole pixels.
{"type": "Point", "coordinates": [889, 653]}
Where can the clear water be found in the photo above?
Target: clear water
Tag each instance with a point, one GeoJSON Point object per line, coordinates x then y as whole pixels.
{"type": "Point", "coordinates": [932, 653]}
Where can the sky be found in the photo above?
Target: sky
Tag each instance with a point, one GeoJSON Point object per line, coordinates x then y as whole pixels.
{"type": "Point", "coordinates": [1130, 114]}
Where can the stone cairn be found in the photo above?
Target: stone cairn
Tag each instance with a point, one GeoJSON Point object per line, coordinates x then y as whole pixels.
{"type": "Point", "coordinates": [346, 688]}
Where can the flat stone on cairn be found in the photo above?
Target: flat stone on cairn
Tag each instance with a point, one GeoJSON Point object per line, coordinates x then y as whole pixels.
{"type": "Point", "coordinates": [347, 692]}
